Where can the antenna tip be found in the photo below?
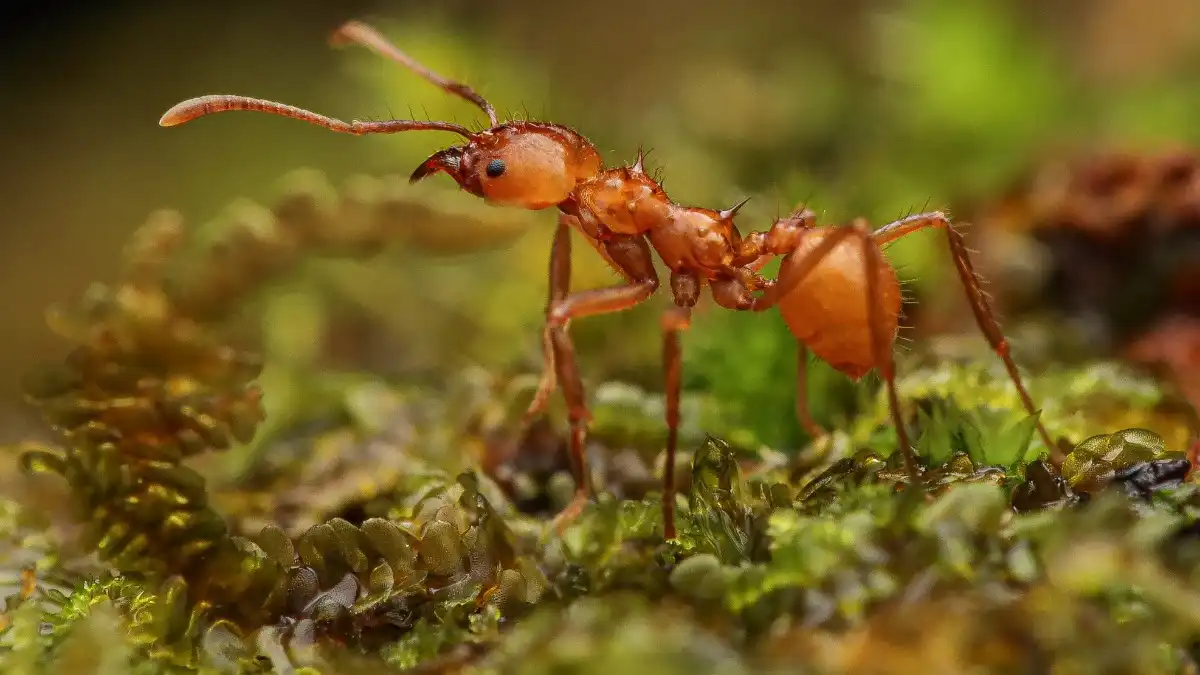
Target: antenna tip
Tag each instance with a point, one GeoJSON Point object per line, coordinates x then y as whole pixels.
{"type": "Point", "coordinates": [178, 114]}
{"type": "Point", "coordinates": [347, 32]}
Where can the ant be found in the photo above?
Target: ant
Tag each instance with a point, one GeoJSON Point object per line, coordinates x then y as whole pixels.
{"type": "Point", "coordinates": [836, 292]}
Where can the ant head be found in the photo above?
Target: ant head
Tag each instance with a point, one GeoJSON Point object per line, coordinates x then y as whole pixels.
{"type": "Point", "coordinates": [527, 164]}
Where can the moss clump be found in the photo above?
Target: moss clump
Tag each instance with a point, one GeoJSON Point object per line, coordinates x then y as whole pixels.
{"type": "Point", "coordinates": [154, 381]}
{"type": "Point", "coordinates": [1098, 459]}
{"type": "Point", "coordinates": [413, 524]}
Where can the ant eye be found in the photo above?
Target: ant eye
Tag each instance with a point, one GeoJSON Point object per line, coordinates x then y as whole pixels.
{"type": "Point", "coordinates": [495, 168]}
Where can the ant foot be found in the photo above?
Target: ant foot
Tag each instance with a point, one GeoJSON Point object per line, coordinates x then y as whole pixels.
{"type": "Point", "coordinates": [571, 512]}
{"type": "Point", "coordinates": [540, 399]}
{"type": "Point", "coordinates": [546, 384]}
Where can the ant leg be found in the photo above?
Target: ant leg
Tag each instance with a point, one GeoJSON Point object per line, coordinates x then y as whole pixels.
{"type": "Point", "coordinates": [560, 284]}
{"type": "Point", "coordinates": [978, 301]}
{"type": "Point", "coordinates": [889, 233]}
{"type": "Point", "coordinates": [803, 414]}
{"type": "Point", "coordinates": [792, 273]}
{"type": "Point", "coordinates": [579, 416]}
{"type": "Point", "coordinates": [685, 288]}
{"type": "Point", "coordinates": [674, 321]}
{"type": "Point", "coordinates": [795, 269]}
{"type": "Point", "coordinates": [881, 345]}
{"type": "Point", "coordinates": [631, 255]}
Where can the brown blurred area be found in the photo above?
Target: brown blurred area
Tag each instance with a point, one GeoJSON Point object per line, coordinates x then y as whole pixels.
{"type": "Point", "coordinates": [83, 87]}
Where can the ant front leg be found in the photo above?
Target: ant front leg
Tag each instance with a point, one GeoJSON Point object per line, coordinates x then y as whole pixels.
{"type": "Point", "coordinates": [977, 299]}
{"type": "Point", "coordinates": [736, 294]}
{"type": "Point", "coordinates": [560, 285]}
{"type": "Point", "coordinates": [757, 250]}
{"type": "Point", "coordinates": [631, 256]}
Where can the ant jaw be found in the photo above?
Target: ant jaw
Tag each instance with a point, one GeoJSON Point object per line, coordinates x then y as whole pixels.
{"type": "Point", "coordinates": [448, 161]}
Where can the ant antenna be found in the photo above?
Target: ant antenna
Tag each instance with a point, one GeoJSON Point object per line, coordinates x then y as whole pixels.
{"type": "Point", "coordinates": [214, 103]}
{"type": "Point", "coordinates": [366, 36]}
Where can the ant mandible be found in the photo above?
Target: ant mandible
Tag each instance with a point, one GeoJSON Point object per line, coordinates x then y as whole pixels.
{"type": "Point", "coordinates": [837, 293]}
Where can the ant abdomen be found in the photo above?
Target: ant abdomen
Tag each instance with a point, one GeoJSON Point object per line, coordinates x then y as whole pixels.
{"type": "Point", "coordinates": [827, 310]}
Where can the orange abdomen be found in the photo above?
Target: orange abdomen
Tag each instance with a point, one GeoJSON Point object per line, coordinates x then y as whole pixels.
{"type": "Point", "coordinates": [828, 310]}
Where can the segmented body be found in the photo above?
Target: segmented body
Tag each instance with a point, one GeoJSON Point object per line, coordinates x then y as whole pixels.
{"type": "Point", "coordinates": [530, 164]}
{"type": "Point", "coordinates": [825, 311]}
{"type": "Point", "coordinates": [835, 289]}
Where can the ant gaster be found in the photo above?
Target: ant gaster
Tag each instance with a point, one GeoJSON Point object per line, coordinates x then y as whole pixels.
{"type": "Point", "coordinates": [827, 278]}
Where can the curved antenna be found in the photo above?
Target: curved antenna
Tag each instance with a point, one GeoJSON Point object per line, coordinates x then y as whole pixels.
{"type": "Point", "coordinates": [214, 103]}
{"type": "Point", "coordinates": [366, 36]}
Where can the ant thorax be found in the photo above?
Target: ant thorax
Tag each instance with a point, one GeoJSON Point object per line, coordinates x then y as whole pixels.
{"type": "Point", "coordinates": [625, 201]}
{"type": "Point", "coordinates": [696, 240]}
{"type": "Point", "coordinates": [622, 201]}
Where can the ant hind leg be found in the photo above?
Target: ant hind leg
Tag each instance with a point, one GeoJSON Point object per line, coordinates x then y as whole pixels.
{"type": "Point", "coordinates": [881, 346]}
{"type": "Point", "coordinates": [685, 289]}
{"type": "Point", "coordinates": [793, 272]}
{"type": "Point", "coordinates": [803, 413]}
{"type": "Point", "coordinates": [984, 317]}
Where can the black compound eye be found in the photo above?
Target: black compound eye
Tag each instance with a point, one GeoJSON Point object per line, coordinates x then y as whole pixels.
{"type": "Point", "coordinates": [495, 168]}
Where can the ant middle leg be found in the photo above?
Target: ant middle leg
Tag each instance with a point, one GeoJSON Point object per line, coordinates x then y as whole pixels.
{"type": "Point", "coordinates": [984, 317]}
{"type": "Point", "coordinates": [686, 291]}
{"type": "Point", "coordinates": [737, 294]}
{"type": "Point", "coordinates": [674, 321]}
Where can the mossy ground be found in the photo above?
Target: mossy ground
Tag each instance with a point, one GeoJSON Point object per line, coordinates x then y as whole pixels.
{"type": "Point", "coordinates": [408, 527]}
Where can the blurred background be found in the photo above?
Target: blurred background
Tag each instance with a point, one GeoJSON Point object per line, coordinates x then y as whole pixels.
{"type": "Point", "coordinates": [859, 108]}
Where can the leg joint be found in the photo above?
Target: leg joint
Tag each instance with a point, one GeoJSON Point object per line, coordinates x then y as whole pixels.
{"type": "Point", "coordinates": [601, 301]}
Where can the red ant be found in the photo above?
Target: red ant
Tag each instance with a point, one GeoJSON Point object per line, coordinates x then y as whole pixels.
{"type": "Point", "coordinates": [824, 288]}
